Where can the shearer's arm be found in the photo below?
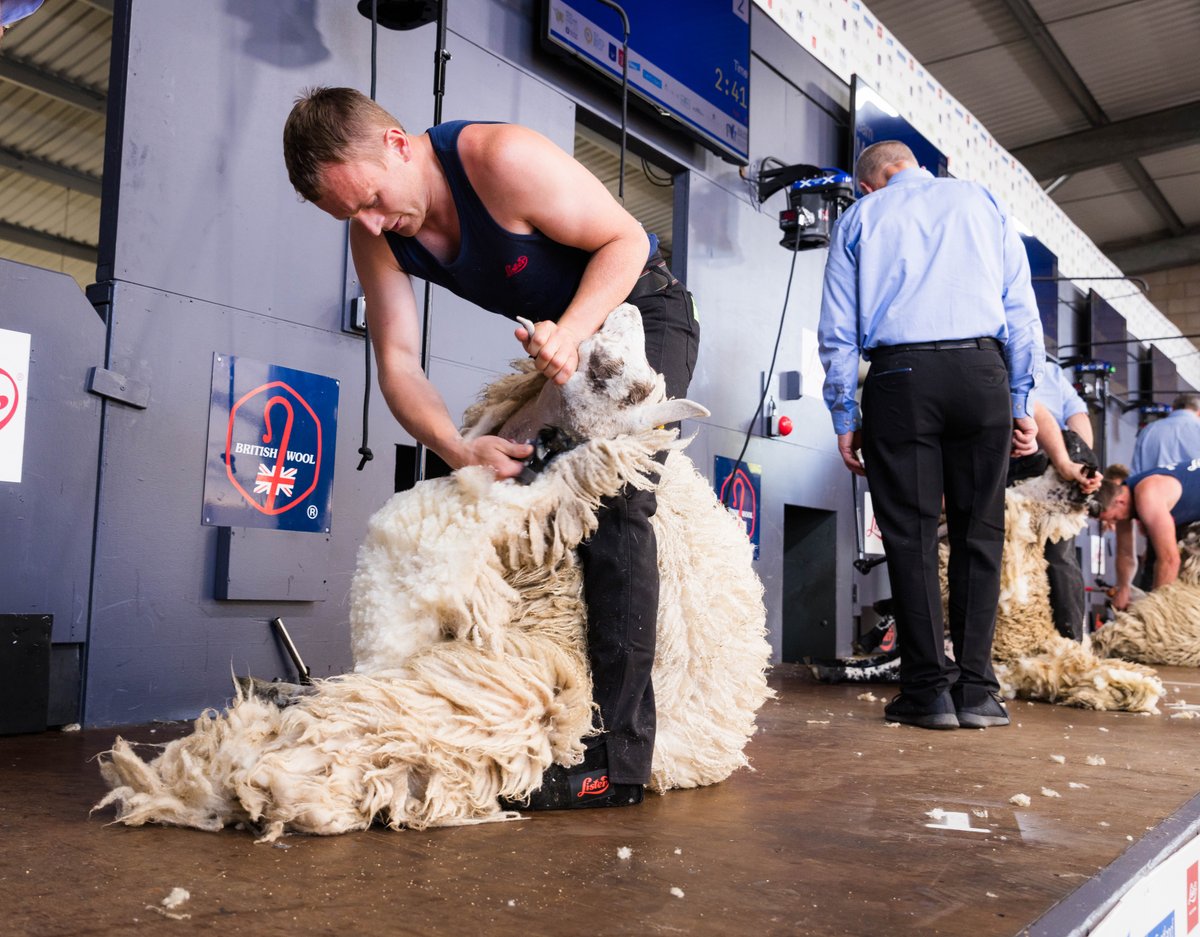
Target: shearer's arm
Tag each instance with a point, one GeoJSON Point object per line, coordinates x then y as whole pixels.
{"type": "Point", "coordinates": [529, 183]}
{"type": "Point", "coordinates": [1155, 517]}
{"type": "Point", "coordinates": [395, 332]}
{"type": "Point", "coordinates": [1050, 438]}
{"type": "Point", "coordinates": [1126, 564]}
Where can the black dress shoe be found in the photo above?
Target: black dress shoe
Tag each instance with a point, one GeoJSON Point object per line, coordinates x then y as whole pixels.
{"type": "Point", "coordinates": [937, 714]}
{"type": "Point", "coordinates": [584, 785]}
{"type": "Point", "coordinates": [979, 710]}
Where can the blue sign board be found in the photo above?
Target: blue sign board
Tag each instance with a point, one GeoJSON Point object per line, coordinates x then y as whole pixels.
{"type": "Point", "coordinates": [272, 436]}
{"type": "Point", "coordinates": [691, 60]}
{"type": "Point", "coordinates": [740, 492]}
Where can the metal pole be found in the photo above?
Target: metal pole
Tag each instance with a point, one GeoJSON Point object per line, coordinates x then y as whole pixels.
{"type": "Point", "coordinates": [440, 57]}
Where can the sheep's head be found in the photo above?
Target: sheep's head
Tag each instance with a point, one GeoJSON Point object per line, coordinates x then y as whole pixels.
{"type": "Point", "coordinates": [613, 391]}
{"type": "Point", "coordinates": [1037, 465]}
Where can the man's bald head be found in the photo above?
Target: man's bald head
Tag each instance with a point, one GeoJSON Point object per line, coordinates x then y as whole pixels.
{"type": "Point", "coordinates": [881, 160]}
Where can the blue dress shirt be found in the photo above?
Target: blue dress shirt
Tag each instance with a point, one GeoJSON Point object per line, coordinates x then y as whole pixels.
{"type": "Point", "coordinates": [922, 260]}
{"type": "Point", "coordinates": [1172, 440]}
{"type": "Point", "coordinates": [1058, 395]}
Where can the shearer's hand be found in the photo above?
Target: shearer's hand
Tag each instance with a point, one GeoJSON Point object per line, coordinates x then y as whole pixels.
{"type": "Point", "coordinates": [848, 446]}
{"type": "Point", "coordinates": [503, 456]}
{"type": "Point", "coordinates": [1077, 473]}
{"type": "Point", "coordinates": [1119, 598]}
{"type": "Point", "coordinates": [1024, 438]}
{"type": "Point", "coordinates": [554, 349]}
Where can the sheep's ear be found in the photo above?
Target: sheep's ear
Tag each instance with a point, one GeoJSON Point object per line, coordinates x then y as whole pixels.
{"type": "Point", "coordinates": [671, 411]}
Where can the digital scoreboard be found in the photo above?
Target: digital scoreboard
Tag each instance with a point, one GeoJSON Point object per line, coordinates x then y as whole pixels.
{"type": "Point", "coordinates": [690, 59]}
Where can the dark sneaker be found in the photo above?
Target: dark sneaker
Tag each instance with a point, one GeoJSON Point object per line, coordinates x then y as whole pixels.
{"type": "Point", "coordinates": [986, 713]}
{"type": "Point", "coordinates": [938, 714]}
{"type": "Point", "coordinates": [584, 785]}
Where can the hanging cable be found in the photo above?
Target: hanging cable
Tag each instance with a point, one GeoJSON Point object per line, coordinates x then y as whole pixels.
{"type": "Point", "coordinates": [624, 91]}
{"type": "Point", "coordinates": [766, 384]}
{"type": "Point", "coordinates": [364, 450]}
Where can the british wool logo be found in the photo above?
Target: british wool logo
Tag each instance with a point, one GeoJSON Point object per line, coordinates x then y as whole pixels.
{"type": "Point", "coordinates": [267, 460]}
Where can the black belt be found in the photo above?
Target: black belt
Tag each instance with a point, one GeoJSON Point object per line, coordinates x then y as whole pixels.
{"type": "Point", "coordinates": [655, 278]}
{"type": "Point", "coordinates": [990, 344]}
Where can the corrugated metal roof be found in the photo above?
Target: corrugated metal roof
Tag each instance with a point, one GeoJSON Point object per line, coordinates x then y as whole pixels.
{"type": "Point", "coordinates": [1177, 162]}
{"type": "Point", "coordinates": [1135, 57]}
{"type": "Point", "coordinates": [1012, 92]}
{"type": "Point", "coordinates": [68, 42]}
{"type": "Point", "coordinates": [1107, 180]}
{"type": "Point", "coordinates": [942, 29]}
{"type": "Point", "coordinates": [1118, 217]}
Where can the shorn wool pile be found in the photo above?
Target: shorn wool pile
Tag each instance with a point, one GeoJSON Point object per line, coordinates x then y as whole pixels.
{"type": "Point", "coordinates": [1032, 660]}
{"type": "Point", "coordinates": [467, 622]}
{"type": "Point", "coordinates": [1163, 626]}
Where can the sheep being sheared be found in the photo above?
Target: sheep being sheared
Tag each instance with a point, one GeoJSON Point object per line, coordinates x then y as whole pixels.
{"type": "Point", "coordinates": [1032, 659]}
{"type": "Point", "coordinates": [1163, 626]}
{"type": "Point", "coordinates": [467, 620]}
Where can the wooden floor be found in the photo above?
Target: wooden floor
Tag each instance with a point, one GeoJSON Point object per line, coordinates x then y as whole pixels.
{"type": "Point", "coordinates": [828, 836]}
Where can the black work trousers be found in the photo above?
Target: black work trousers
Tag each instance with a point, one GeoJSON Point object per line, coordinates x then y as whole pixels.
{"type": "Point", "coordinates": [938, 424]}
{"type": "Point", "coordinates": [1066, 587]}
{"type": "Point", "coordinates": [620, 566]}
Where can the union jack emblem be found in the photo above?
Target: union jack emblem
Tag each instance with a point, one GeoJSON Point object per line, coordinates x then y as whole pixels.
{"type": "Point", "coordinates": [273, 481]}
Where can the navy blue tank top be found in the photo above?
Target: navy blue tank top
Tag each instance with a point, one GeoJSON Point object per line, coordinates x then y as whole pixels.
{"type": "Point", "coordinates": [1187, 509]}
{"type": "Point", "coordinates": [511, 274]}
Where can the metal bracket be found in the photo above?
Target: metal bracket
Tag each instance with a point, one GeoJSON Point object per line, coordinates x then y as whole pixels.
{"type": "Point", "coordinates": [114, 386]}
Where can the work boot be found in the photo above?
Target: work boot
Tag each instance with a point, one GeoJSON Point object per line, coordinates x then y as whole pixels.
{"type": "Point", "coordinates": [977, 708]}
{"type": "Point", "coordinates": [911, 711]}
{"type": "Point", "coordinates": [583, 785]}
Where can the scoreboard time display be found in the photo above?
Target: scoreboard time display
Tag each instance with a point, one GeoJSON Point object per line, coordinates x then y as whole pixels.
{"type": "Point", "coordinates": [690, 59]}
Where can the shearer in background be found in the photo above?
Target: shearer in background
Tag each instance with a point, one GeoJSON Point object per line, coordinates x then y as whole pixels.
{"type": "Point", "coordinates": [1058, 409]}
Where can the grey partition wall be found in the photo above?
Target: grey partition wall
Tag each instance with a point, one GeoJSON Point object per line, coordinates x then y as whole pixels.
{"type": "Point", "coordinates": [46, 519]}
{"type": "Point", "coordinates": [206, 250]}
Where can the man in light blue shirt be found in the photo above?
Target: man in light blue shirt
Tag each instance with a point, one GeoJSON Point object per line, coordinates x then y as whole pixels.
{"type": "Point", "coordinates": [1171, 440]}
{"type": "Point", "coordinates": [928, 279]}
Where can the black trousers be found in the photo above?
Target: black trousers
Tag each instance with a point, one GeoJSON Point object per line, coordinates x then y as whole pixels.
{"type": "Point", "coordinates": [620, 566]}
{"type": "Point", "coordinates": [1066, 588]}
{"type": "Point", "coordinates": [938, 423]}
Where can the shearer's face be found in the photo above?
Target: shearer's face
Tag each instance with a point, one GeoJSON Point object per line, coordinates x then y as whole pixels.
{"type": "Point", "coordinates": [377, 191]}
{"type": "Point", "coordinates": [1117, 510]}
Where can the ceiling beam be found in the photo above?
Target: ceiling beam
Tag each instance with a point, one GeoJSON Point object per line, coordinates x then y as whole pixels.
{"type": "Point", "coordinates": [1048, 48]}
{"type": "Point", "coordinates": [55, 244]}
{"type": "Point", "coordinates": [1157, 253]}
{"type": "Point", "coordinates": [1038, 33]}
{"type": "Point", "coordinates": [44, 82]}
{"type": "Point", "coordinates": [54, 173]}
{"type": "Point", "coordinates": [1111, 143]}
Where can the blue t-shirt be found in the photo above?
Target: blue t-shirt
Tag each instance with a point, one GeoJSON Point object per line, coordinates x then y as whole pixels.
{"type": "Point", "coordinates": [511, 274]}
{"type": "Point", "coordinates": [1187, 509]}
{"type": "Point", "coordinates": [1058, 395]}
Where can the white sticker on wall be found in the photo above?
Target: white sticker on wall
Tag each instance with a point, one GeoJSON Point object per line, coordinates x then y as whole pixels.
{"type": "Point", "coordinates": [872, 538]}
{"type": "Point", "coordinates": [14, 397]}
{"type": "Point", "coordinates": [812, 372]}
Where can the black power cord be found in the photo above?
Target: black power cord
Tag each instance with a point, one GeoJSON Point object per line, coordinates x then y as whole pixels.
{"type": "Point", "coordinates": [364, 450]}
{"type": "Point", "coordinates": [624, 91]}
{"type": "Point", "coordinates": [766, 384]}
